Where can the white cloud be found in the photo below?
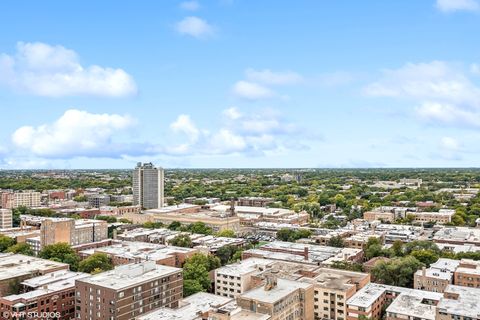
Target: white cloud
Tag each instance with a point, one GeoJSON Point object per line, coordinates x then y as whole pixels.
{"type": "Point", "coordinates": [184, 125]}
{"type": "Point", "coordinates": [232, 113]}
{"type": "Point", "coordinates": [251, 91]}
{"type": "Point", "coordinates": [448, 114]}
{"type": "Point", "coordinates": [255, 133]}
{"type": "Point", "coordinates": [457, 5]}
{"type": "Point", "coordinates": [269, 77]}
{"type": "Point", "coordinates": [75, 134]}
{"type": "Point", "coordinates": [190, 5]}
{"type": "Point", "coordinates": [444, 92]}
{"type": "Point", "coordinates": [450, 143]}
{"type": "Point", "coordinates": [195, 27]}
{"type": "Point", "coordinates": [55, 71]}
{"type": "Point", "coordinates": [434, 80]}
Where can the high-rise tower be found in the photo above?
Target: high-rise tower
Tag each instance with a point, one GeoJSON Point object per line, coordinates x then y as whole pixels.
{"type": "Point", "coordinates": [148, 185]}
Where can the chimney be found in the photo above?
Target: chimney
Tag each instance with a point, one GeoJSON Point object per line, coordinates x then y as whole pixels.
{"type": "Point", "coordinates": [270, 281]}
{"type": "Point", "coordinates": [305, 253]}
{"type": "Point", "coordinates": [424, 273]}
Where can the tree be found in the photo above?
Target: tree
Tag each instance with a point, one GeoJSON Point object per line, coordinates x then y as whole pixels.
{"type": "Point", "coordinates": [397, 249]}
{"type": "Point", "coordinates": [421, 245]}
{"type": "Point", "coordinates": [21, 248]}
{"type": "Point", "coordinates": [182, 240]}
{"type": "Point", "coordinates": [61, 252]}
{"type": "Point", "coordinates": [227, 233]}
{"type": "Point", "coordinates": [336, 241]}
{"type": "Point", "coordinates": [195, 273]}
{"type": "Point", "coordinates": [226, 253]}
{"type": "Point", "coordinates": [81, 198]}
{"type": "Point", "coordinates": [174, 225]}
{"type": "Point", "coordinates": [97, 262]}
{"type": "Point", "coordinates": [285, 234]}
{"type": "Point", "coordinates": [200, 228]}
{"type": "Point", "coordinates": [109, 219]}
{"type": "Point", "coordinates": [5, 242]}
{"type": "Point", "coordinates": [397, 271]}
{"type": "Point", "coordinates": [374, 248]}
{"type": "Point", "coordinates": [191, 286]}
{"type": "Point", "coordinates": [427, 257]}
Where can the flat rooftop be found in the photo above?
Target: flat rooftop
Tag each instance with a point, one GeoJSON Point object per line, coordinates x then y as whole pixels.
{"type": "Point", "coordinates": [416, 304]}
{"type": "Point", "coordinates": [189, 308]}
{"type": "Point", "coordinates": [244, 267]}
{"type": "Point", "coordinates": [466, 305]}
{"type": "Point", "coordinates": [282, 289]}
{"type": "Point", "coordinates": [15, 265]}
{"type": "Point", "coordinates": [136, 249]}
{"type": "Point", "coordinates": [61, 284]}
{"type": "Point", "coordinates": [130, 274]}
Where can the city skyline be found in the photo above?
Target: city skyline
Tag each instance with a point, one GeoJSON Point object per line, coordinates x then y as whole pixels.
{"type": "Point", "coordinates": [230, 83]}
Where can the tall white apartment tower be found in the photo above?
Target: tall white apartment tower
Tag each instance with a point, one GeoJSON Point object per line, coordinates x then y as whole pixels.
{"type": "Point", "coordinates": [148, 185]}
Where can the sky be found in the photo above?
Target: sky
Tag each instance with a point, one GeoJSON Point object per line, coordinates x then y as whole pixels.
{"type": "Point", "coordinates": [238, 83]}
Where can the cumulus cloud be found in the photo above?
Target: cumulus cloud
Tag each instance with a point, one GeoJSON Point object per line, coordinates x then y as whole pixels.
{"type": "Point", "coordinates": [190, 5]}
{"type": "Point", "coordinates": [443, 91]}
{"type": "Point", "coordinates": [270, 77]}
{"type": "Point", "coordinates": [54, 71]}
{"type": "Point", "coordinates": [76, 133]}
{"type": "Point", "coordinates": [457, 5]}
{"type": "Point", "coordinates": [195, 27]}
{"type": "Point", "coordinates": [448, 114]}
{"type": "Point", "coordinates": [251, 91]}
{"type": "Point", "coordinates": [253, 133]}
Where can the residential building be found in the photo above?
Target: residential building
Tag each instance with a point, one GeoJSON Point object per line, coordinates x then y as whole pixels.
{"type": "Point", "coordinates": [468, 273]}
{"type": "Point", "coordinates": [27, 199]}
{"type": "Point", "coordinates": [460, 303]}
{"type": "Point", "coordinates": [6, 218]}
{"type": "Point", "coordinates": [15, 268]}
{"type": "Point", "coordinates": [280, 299]}
{"type": "Point", "coordinates": [98, 200]}
{"type": "Point", "coordinates": [443, 216]}
{"type": "Point", "coordinates": [50, 293]}
{"type": "Point", "coordinates": [437, 277]}
{"type": "Point", "coordinates": [234, 279]}
{"type": "Point", "coordinates": [458, 235]}
{"type": "Point", "coordinates": [128, 291]}
{"type": "Point", "coordinates": [254, 201]}
{"type": "Point", "coordinates": [126, 252]}
{"type": "Point", "coordinates": [148, 186]}
{"type": "Point", "coordinates": [332, 289]}
{"type": "Point", "coordinates": [194, 307]}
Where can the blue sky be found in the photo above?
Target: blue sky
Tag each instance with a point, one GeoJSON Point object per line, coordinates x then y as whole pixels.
{"type": "Point", "coordinates": [232, 83]}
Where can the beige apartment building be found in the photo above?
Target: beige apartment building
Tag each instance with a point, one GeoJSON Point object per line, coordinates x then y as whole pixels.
{"type": "Point", "coordinates": [280, 299]}
{"type": "Point", "coordinates": [234, 279]}
{"type": "Point", "coordinates": [332, 289]}
{"type": "Point", "coordinates": [6, 218]}
{"type": "Point", "coordinates": [128, 291]}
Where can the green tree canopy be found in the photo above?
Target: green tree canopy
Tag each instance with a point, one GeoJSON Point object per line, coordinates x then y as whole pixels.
{"type": "Point", "coordinates": [21, 248]}
{"type": "Point", "coordinates": [397, 271]}
{"type": "Point", "coordinates": [97, 262]}
{"type": "Point", "coordinates": [182, 240]}
{"type": "Point", "coordinates": [5, 242]}
{"type": "Point", "coordinates": [61, 252]}
{"type": "Point", "coordinates": [228, 233]}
